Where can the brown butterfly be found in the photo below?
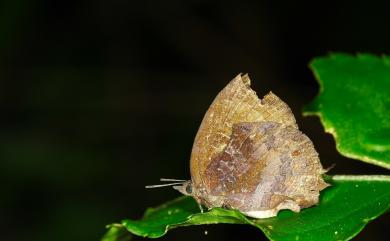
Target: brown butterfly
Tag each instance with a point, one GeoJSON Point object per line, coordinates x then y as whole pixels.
{"type": "Point", "coordinates": [249, 155]}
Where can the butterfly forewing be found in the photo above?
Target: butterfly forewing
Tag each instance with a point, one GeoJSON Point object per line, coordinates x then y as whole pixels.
{"type": "Point", "coordinates": [236, 103]}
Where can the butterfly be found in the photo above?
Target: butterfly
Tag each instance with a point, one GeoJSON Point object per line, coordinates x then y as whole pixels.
{"type": "Point", "coordinates": [249, 155]}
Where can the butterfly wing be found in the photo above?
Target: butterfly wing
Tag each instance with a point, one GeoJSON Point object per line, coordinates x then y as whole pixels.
{"type": "Point", "coordinates": [236, 103]}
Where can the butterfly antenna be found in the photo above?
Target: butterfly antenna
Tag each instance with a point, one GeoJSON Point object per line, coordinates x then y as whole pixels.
{"type": "Point", "coordinates": [171, 180]}
{"type": "Point", "coordinates": [164, 185]}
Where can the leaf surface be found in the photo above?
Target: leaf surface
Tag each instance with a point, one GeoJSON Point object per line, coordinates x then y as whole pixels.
{"type": "Point", "coordinates": [354, 104]}
{"type": "Point", "coordinates": [340, 215]}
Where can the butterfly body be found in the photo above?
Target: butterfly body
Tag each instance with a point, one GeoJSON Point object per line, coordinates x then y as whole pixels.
{"type": "Point", "coordinates": [249, 155]}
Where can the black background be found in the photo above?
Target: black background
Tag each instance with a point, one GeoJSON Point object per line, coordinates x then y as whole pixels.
{"type": "Point", "coordinates": [100, 98]}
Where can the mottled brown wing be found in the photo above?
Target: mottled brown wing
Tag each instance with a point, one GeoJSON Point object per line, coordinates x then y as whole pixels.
{"type": "Point", "coordinates": [266, 166]}
{"type": "Point", "coordinates": [236, 103]}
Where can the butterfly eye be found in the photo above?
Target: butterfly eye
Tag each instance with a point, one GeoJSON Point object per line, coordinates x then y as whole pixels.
{"type": "Point", "coordinates": [189, 188]}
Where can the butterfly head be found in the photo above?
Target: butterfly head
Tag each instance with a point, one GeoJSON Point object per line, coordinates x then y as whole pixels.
{"type": "Point", "coordinates": [186, 188]}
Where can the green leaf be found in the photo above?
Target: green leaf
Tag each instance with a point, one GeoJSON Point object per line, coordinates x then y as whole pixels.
{"type": "Point", "coordinates": [116, 232]}
{"type": "Point", "coordinates": [339, 216]}
{"type": "Point", "coordinates": [354, 104]}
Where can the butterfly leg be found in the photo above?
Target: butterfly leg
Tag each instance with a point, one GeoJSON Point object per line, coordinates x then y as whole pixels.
{"type": "Point", "coordinates": [200, 207]}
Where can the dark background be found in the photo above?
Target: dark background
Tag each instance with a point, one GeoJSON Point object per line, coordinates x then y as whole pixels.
{"type": "Point", "coordinates": [99, 98]}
